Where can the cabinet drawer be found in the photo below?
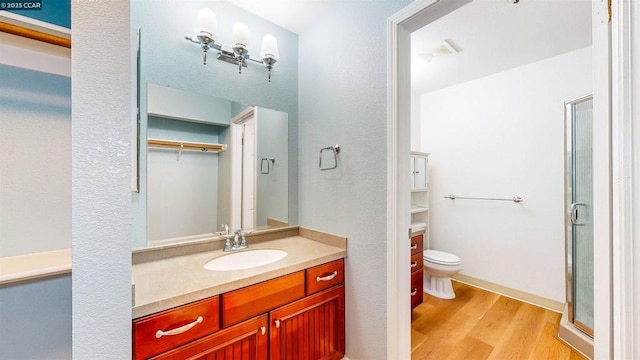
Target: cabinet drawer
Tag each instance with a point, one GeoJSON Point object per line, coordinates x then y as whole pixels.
{"type": "Point", "coordinates": [247, 340]}
{"type": "Point", "coordinates": [153, 334]}
{"type": "Point", "coordinates": [416, 244]}
{"type": "Point", "coordinates": [245, 303]}
{"type": "Point", "coordinates": [325, 276]}
{"type": "Point", "coordinates": [416, 262]}
{"type": "Point", "coordinates": [417, 288]}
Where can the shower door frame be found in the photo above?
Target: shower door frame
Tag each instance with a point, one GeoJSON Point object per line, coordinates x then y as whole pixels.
{"type": "Point", "coordinates": [569, 233]}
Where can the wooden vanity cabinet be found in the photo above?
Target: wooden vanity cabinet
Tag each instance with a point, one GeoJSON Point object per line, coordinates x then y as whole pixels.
{"type": "Point", "coordinates": [311, 328]}
{"type": "Point", "coordinates": [247, 340]}
{"type": "Point", "coordinates": [257, 299]}
{"type": "Point", "coordinates": [417, 275]}
{"type": "Point", "coordinates": [168, 329]}
{"type": "Point", "coordinates": [296, 316]}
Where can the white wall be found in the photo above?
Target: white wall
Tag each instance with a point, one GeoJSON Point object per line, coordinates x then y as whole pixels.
{"type": "Point", "coordinates": [416, 139]}
{"type": "Point", "coordinates": [101, 224]}
{"type": "Point", "coordinates": [635, 99]}
{"type": "Point", "coordinates": [501, 136]}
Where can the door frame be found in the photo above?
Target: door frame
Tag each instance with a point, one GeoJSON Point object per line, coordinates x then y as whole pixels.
{"type": "Point", "coordinates": [235, 217]}
{"type": "Point", "coordinates": [612, 144]}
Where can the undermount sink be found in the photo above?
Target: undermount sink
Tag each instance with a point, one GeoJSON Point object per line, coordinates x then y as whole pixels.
{"type": "Point", "coordinates": [245, 259]}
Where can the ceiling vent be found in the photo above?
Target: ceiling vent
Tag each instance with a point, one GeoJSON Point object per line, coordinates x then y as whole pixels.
{"type": "Point", "coordinates": [445, 48]}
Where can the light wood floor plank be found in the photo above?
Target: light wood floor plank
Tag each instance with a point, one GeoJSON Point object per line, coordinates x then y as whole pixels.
{"type": "Point", "coordinates": [445, 339]}
{"type": "Point", "coordinates": [495, 322]}
{"type": "Point", "coordinates": [549, 347]}
{"type": "Point", "coordinates": [479, 325]}
{"type": "Point", "coordinates": [470, 349]}
{"type": "Point", "coordinates": [521, 335]}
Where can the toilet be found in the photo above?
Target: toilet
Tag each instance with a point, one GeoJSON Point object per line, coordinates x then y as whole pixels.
{"type": "Point", "coordinates": [439, 266]}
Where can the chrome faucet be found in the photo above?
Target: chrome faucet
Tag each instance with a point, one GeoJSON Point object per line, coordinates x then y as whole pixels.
{"type": "Point", "coordinates": [239, 241]}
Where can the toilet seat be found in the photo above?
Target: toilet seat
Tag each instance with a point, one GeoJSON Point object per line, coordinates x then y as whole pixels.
{"type": "Point", "coordinates": [440, 257]}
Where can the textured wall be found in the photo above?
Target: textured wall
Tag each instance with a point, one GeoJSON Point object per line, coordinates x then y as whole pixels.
{"type": "Point", "coordinates": [508, 137]}
{"type": "Point", "coordinates": [169, 60]}
{"type": "Point", "coordinates": [343, 101]}
{"type": "Point", "coordinates": [101, 196]}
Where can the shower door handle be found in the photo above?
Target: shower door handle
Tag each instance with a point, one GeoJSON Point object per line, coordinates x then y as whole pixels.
{"type": "Point", "coordinates": [575, 219]}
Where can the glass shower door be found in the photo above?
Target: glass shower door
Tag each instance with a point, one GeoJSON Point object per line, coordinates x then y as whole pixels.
{"type": "Point", "coordinates": [579, 213]}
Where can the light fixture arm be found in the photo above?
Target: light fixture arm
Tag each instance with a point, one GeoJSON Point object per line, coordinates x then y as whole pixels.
{"type": "Point", "coordinates": [238, 54]}
{"type": "Point", "coordinates": [206, 43]}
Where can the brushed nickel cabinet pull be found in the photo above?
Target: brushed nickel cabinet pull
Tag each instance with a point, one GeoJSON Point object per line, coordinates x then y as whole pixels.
{"type": "Point", "coordinates": [278, 324]}
{"type": "Point", "coordinates": [415, 291]}
{"type": "Point", "coordinates": [414, 246]}
{"type": "Point", "coordinates": [327, 278]}
{"type": "Point", "coordinates": [414, 264]}
{"type": "Point", "coordinates": [263, 329]}
{"type": "Point", "coordinates": [179, 330]}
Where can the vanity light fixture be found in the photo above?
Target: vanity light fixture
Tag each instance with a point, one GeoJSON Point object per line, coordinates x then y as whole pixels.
{"type": "Point", "coordinates": [205, 29]}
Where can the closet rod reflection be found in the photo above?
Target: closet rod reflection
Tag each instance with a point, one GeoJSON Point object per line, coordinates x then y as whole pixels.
{"type": "Point", "coordinates": [515, 199]}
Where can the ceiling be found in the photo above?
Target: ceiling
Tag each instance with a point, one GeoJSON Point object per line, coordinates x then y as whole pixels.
{"type": "Point", "coordinates": [490, 36]}
{"type": "Point", "coordinates": [294, 15]}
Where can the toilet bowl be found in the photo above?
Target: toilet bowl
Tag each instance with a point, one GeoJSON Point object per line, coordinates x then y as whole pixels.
{"type": "Point", "coordinates": [439, 266]}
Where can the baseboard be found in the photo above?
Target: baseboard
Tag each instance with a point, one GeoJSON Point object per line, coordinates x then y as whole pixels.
{"type": "Point", "coordinates": [510, 292]}
{"type": "Point", "coordinates": [573, 337]}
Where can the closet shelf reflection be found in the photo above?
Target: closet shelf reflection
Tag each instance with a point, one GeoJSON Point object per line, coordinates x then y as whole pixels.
{"type": "Point", "coordinates": [185, 145]}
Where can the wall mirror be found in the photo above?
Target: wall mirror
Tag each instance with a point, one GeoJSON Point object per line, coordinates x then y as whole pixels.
{"type": "Point", "coordinates": [210, 162]}
{"type": "Point", "coordinates": [186, 106]}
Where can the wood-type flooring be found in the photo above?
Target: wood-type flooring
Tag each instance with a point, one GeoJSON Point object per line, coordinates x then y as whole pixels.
{"type": "Point", "coordinates": [479, 325]}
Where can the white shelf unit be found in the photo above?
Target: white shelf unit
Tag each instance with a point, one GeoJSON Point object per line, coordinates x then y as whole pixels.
{"type": "Point", "coordinates": [420, 191]}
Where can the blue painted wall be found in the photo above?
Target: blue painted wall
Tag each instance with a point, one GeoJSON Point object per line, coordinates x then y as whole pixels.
{"type": "Point", "coordinates": [35, 316]}
{"type": "Point", "coordinates": [35, 320]}
{"type": "Point", "coordinates": [169, 60]}
{"type": "Point", "coordinates": [57, 12]}
{"type": "Point", "coordinates": [35, 161]}
{"type": "Point", "coordinates": [344, 102]}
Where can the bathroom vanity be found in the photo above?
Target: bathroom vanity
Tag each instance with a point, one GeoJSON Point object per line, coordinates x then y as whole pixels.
{"type": "Point", "coordinates": [417, 275]}
{"type": "Point", "coordinates": [419, 164]}
{"type": "Point", "coordinates": [291, 308]}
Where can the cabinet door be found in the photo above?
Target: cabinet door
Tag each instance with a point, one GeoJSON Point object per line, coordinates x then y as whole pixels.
{"type": "Point", "coordinates": [247, 340]}
{"type": "Point", "coordinates": [417, 288]}
{"type": "Point", "coordinates": [311, 328]}
{"type": "Point", "coordinates": [419, 172]}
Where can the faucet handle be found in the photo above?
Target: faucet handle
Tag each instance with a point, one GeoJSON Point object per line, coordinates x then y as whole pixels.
{"type": "Point", "coordinates": [243, 240]}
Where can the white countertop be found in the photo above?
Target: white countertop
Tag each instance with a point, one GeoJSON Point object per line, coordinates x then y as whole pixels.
{"type": "Point", "coordinates": [171, 282]}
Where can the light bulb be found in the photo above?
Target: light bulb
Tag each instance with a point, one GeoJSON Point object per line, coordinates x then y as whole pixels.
{"type": "Point", "coordinates": [240, 36]}
{"type": "Point", "coordinates": [206, 23]}
{"type": "Point", "coordinates": [269, 48]}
